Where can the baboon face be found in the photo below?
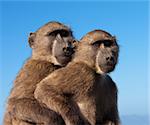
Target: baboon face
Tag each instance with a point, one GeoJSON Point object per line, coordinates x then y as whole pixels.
{"type": "Point", "coordinates": [53, 39]}
{"type": "Point", "coordinates": [104, 49]}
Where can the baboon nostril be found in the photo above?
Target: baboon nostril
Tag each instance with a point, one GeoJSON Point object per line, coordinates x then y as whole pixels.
{"type": "Point", "coordinates": [68, 51]}
{"type": "Point", "coordinates": [109, 58]}
{"type": "Point", "coordinates": [64, 49]}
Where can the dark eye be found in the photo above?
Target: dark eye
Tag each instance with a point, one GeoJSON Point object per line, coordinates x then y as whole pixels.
{"type": "Point", "coordinates": [107, 43]}
{"type": "Point", "coordinates": [54, 33]}
{"type": "Point", "coordinates": [97, 43]}
{"type": "Point", "coordinates": [64, 33]}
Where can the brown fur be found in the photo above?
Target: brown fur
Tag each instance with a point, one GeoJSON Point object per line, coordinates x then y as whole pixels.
{"type": "Point", "coordinates": [84, 81]}
{"type": "Point", "coordinates": [22, 101]}
{"type": "Point", "coordinates": [22, 107]}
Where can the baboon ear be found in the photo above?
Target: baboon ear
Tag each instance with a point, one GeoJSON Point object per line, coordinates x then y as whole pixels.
{"type": "Point", "coordinates": [31, 39]}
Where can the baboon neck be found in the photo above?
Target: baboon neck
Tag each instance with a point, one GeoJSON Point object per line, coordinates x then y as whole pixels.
{"type": "Point", "coordinates": [84, 61]}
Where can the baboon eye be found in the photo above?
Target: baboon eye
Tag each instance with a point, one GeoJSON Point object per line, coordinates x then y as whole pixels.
{"type": "Point", "coordinates": [64, 33]}
{"type": "Point", "coordinates": [97, 43]}
{"type": "Point", "coordinates": [52, 33]}
{"type": "Point", "coordinates": [107, 43]}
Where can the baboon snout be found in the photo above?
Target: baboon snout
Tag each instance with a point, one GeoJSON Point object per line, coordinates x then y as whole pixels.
{"type": "Point", "coordinates": [68, 51]}
{"type": "Point", "coordinates": [110, 60]}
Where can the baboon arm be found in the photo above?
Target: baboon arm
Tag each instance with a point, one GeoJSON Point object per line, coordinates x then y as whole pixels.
{"type": "Point", "coordinates": [112, 114]}
{"type": "Point", "coordinates": [21, 122]}
{"type": "Point", "coordinates": [30, 111]}
{"type": "Point", "coordinates": [114, 109]}
{"type": "Point", "coordinates": [55, 99]}
{"type": "Point", "coordinates": [8, 120]}
{"type": "Point", "coordinates": [58, 90]}
{"type": "Point", "coordinates": [88, 109]}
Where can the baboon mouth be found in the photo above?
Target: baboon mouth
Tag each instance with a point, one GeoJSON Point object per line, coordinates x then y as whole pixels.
{"type": "Point", "coordinates": [110, 67]}
{"type": "Point", "coordinates": [68, 54]}
{"type": "Point", "coordinates": [107, 68]}
{"type": "Point", "coordinates": [110, 64]}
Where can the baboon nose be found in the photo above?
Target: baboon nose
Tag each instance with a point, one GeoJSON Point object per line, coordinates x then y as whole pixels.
{"type": "Point", "coordinates": [110, 59]}
{"type": "Point", "coordinates": [68, 51]}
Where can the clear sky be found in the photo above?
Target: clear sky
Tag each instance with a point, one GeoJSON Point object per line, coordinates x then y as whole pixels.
{"type": "Point", "coordinates": [127, 20]}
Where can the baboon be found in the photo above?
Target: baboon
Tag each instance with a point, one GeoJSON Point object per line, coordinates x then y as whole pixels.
{"type": "Point", "coordinates": [85, 81]}
{"type": "Point", "coordinates": [51, 49]}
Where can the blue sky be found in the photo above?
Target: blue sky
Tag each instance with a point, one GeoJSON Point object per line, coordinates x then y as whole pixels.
{"type": "Point", "coordinates": [127, 20]}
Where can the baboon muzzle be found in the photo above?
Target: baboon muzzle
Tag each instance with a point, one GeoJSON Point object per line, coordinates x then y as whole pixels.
{"type": "Point", "coordinates": [68, 51]}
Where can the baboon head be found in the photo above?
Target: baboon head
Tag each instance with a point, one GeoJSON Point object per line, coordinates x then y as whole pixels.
{"type": "Point", "coordinates": [99, 50]}
{"type": "Point", "coordinates": [52, 42]}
